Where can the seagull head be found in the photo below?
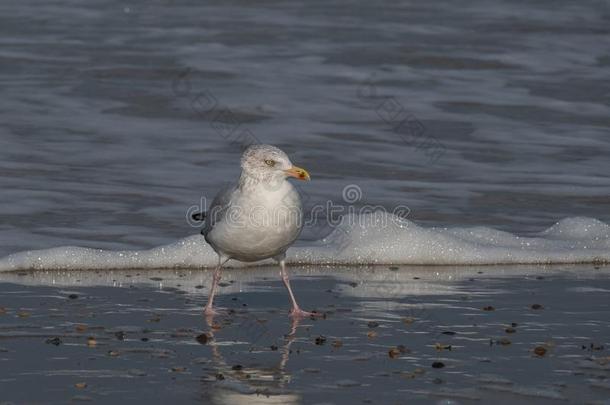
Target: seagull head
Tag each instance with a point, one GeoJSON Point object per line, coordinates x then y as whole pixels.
{"type": "Point", "coordinates": [266, 162]}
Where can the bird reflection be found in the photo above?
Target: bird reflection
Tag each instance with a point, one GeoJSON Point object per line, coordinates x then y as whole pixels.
{"type": "Point", "coordinates": [249, 384]}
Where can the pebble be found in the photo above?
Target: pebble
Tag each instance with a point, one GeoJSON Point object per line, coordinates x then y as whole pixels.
{"type": "Point", "coordinates": [320, 340]}
{"type": "Point", "coordinates": [393, 353]}
{"type": "Point", "coordinates": [91, 342]}
{"type": "Point", "coordinates": [510, 330]}
{"type": "Point", "coordinates": [237, 367]}
{"type": "Point", "coordinates": [536, 306]}
{"type": "Point", "coordinates": [120, 335]}
{"type": "Point", "coordinates": [503, 342]}
{"type": "Point", "coordinates": [178, 369]}
{"type": "Point", "coordinates": [23, 314]}
{"type": "Point", "coordinates": [81, 328]}
{"type": "Point", "coordinates": [73, 296]}
{"type": "Point", "coordinates": [371, 334]}
{"type": "Point", "coordinates": [203, 339]}
{"type": "Point", "coordinates": [438, 364]}
{"type": "Point", "coordinates": [337, 343]}
{"type": "Point", "coordinates": [408, 321]}
{"type": "Point", "coordinates": [372, 324]}
{"type": "Point", "coordinates": [489, 308]}
{"type": "Point", "coordinates": [80, 385]}
{"type": "Point", "coordinates": [539, 351]}
{"type": "Point", "coordinates": [54, 341]}
{"type": "Point", "coordinates": [113, 353]}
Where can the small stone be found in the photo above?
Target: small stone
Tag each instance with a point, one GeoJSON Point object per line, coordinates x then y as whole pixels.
{"type": "Point", "coordinates": [337, 343]}
{"type": "Point", "coordinates": [144, 339]}
{"type": "Point", "coordinates": [80, 385]}
{"type": "Point", "coordinates": [448, 333]}
{"type": "Point", "coordinates": [438, 364]}
{"type": "Point", "coordinates": [202, 339]}
{"type": "Point", "coordinates": [113, 353]}
{"type": "Point", "coordinates": [393, 353]}
{"type": "Point", "coordinates": [371, 334]}
{"type": "Point", "coordinates": [536, 306]}
{"type": "Point", "coordinates": [23, 314]}
{"type": "Point", "coordinates": [91, 342]}
{"type": "Point", "coordinates": [408, 321]}
{"type": "Point", "coordinates": [120, 335]}
{"type": "Point", "coordinates": [81, 328]}
{"type": "Point", "coordinates": [237, 367]}
{"type": "Point", "coordinates": [510, 330]}
{"type": "Point", "coordinates": [440, 347]}
{"type": "Point", "coordinates": [53, 341]}
{"type": "Point", "coordinates": [73, 296]}
{"type": "Point", "coordinates": [503, 342]}
{"type": "Point", "coordinates": [273, 347]}
{"type": "Point", "coordinates": [539, 351]}
{"type": "Point", "coordinates": [220, 377]}
{"type": "Point", "coordinates": [178, 369]}
{"type": "Point", "coordinates": [489, 308]}
{"type": "Point", "coordinates": [320, 340]}
{"type": "Point", "coordinates": [353, 284]}
{"type": "Point", "coordinates": [372, 324]}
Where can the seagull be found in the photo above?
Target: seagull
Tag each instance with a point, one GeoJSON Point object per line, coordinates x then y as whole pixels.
{"type": "Point", "coordinates": [258, 218]}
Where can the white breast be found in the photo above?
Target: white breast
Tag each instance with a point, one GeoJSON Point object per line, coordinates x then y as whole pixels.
{"type": "Point", "coordinates": [259, 223]}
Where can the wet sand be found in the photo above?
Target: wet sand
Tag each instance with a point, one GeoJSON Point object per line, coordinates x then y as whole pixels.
{"type": "Point", "coordinates": [389, 335]}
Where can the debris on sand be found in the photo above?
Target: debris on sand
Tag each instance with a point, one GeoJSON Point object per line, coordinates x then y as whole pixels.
{"type": "Point", "coordinates": [203, 339]}
{"type": "Point", "coordinates": [54, 341]}
{"type": "Point", "coordinates": [540, 351]}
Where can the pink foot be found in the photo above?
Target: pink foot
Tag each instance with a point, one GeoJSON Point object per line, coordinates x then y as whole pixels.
{"type": "Point", "coordinates": [299, 313]}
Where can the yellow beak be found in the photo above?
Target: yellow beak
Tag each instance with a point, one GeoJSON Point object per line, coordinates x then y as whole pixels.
{"type": "Point", "coordinates": [298, 173]}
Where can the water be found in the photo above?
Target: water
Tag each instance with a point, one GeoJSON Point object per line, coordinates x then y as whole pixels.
{"type": "Point", "coordinates": [467, 335]}
{"type": "Point", "coordinates": [106, 143]}
{"type": "Point", "coordinates": [117, 117]}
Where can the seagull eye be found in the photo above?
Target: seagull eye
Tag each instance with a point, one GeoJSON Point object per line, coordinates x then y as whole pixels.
{"type": "Point", "coordinates": [270, 162]}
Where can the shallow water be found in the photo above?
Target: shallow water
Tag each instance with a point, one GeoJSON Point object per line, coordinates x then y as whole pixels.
{"type": "Point", "coordinates": [110, 126]}
{"type": "Point", "coordinates": [126, 334]}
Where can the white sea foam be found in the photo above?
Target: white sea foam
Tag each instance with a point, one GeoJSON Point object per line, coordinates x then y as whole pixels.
{"type": "Point", "coordinates": [369, 239]}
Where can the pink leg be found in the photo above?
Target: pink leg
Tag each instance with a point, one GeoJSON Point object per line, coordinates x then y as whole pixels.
{"type": "Point", "coordinates": [209, 310]}
{"type": "Point", "coordinates": [296, 311]}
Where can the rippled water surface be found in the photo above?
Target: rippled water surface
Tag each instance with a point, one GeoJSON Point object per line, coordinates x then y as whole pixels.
{"type": "Point", "coordinates": [118, 116]}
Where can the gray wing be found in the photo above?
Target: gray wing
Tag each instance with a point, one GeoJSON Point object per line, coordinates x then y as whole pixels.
{"type": "Point", "coordinates": [217, 209]}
